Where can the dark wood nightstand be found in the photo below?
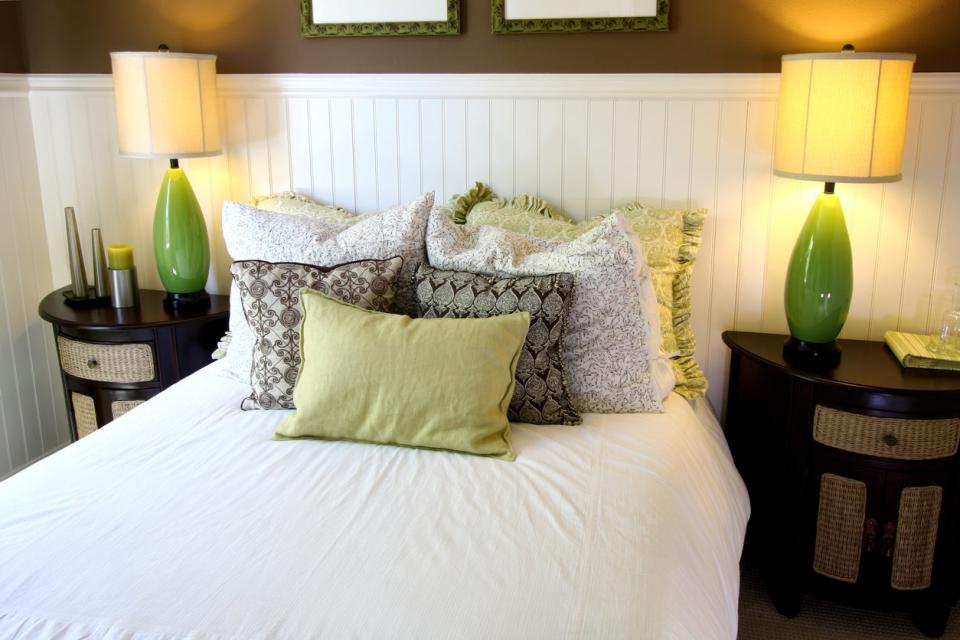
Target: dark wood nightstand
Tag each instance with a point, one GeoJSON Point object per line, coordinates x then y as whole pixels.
{"type": "Point", "coordinates": [853, 476]}
{"type": "Point", "coordinates": [112, 360]}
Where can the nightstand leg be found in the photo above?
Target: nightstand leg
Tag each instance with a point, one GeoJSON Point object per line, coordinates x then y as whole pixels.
{"type": "Point", "coordinates": [787, 600]}
{"type": "Point", "coordinates": [931, 620]}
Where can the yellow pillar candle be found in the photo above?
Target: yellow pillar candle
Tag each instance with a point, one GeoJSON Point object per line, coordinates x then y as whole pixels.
{"type": "Point", "coordinates": [120, 256]}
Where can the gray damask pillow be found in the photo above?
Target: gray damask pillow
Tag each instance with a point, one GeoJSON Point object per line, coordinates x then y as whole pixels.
{"type": "Point", "coordinates": [270, 295]}
{"type": "Point", "coordinates": [540, 395]}
{"type": "Point", "coordinates": [610, 341]}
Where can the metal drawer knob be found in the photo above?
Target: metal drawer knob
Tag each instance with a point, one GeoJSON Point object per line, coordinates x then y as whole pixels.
{"type": "Point", "coordinates": [890, 440]}
{"type": "Point", "coordinates": [92, 363]}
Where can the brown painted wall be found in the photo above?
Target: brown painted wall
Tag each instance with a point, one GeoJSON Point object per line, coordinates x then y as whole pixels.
{"type": "Point", "coordinates": [11, 41]}
{"type": "Point", "coordinates": [263, 36]}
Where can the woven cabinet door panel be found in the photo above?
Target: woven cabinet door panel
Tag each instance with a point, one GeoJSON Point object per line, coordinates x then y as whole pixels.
{"type": "Point", "coordinates": [917, 525]}
{"type": "Point", "coordinates": [120, 407]}
{"type": "Point", "coordinates": [840, 518]}
{"type": "Point", "coordinates": [84, 413]}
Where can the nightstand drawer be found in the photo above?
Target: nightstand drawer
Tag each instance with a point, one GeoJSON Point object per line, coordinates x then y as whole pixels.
{"type": "Point", "coordinates": [893, 438]}
{"type": "Point", "coordinates": [122, 363]}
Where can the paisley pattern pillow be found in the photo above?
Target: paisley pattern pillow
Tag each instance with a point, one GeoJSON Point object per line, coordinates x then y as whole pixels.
{"type": "Point", "coordinates": [254, 234]}
{"type": "Point", "coordinates": [671, 240]}
{"type": "Point", "coordinates": [270, 293]}
{"type": "Point", "coordinates": [608, 342]}
{"type": "Point", "coordinates": [540, 395]}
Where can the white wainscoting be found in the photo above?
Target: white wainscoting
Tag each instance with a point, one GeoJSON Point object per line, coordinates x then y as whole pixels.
{"type": "Point", "coordinates": [583, 142]}
{"type": "Point", "coordinates": [32, 412]}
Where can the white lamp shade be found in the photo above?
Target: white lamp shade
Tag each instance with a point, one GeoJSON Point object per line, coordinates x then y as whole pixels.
{"type": "Point", "coordinates": [843, 116]}
{"type": "Point", "coordinates": [166, 104]}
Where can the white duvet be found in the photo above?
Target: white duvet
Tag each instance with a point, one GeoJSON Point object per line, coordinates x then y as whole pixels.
{"type": "Point", "coordinates": [183, 519]}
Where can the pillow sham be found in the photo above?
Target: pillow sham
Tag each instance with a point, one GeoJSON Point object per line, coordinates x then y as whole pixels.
{"type": "Point", "coordinates": [540, 395]}
{"type": "Point", "coordinates": [295, 204]}
{"type": "Point", "coordinates": [671, 240]}
{"type": "Point", "coordinates": [480, 197]}
{"type": "Point", "coordinates": [270, 295]}
{"type": "Point", "coordinates": [378, 377]}
{"type": "Point", "coordinates": [608, 343]}
{"type": "Point", "coordinates": [254, 234]}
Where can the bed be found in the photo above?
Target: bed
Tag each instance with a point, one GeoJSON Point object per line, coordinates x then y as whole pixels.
{"type": "Point", "coordinates": [183, 519]}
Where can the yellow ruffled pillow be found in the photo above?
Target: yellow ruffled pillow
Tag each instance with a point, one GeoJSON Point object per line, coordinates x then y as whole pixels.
{"type": "Point", "coordinates": [671, 240]}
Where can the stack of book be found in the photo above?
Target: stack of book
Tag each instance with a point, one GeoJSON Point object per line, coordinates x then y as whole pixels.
{"type": "Point", "coordinates": [913, 350]}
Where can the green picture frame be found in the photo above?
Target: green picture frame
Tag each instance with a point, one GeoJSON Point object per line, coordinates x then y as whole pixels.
{"type": "Point", "coordinates": [312, 30]}
{"type": "Point", "coordinates": [660, 22]}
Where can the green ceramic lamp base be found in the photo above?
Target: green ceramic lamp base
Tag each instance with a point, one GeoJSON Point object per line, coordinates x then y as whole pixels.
{"type": "Point", "coordinates": [819, 285]}
{"type": "Point", "coordinates": [180, 241]}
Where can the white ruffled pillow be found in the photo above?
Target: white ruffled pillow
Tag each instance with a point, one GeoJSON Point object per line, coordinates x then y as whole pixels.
{"type": "Point", "coordinates": [254, 234]}
{"type": "Point", "coordinates": [610, 337]}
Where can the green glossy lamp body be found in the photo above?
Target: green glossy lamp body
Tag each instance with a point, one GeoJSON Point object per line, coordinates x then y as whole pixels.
{"type": "Point", "coordinates": [820, 275]}
{"type": "Point", "coordinates": [180, 241]}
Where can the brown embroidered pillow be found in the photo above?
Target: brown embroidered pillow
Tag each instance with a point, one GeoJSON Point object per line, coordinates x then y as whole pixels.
{"type": "Point", "coordinates": [540, 395]}
{"type": "Point", "coordinates": [270, 295]}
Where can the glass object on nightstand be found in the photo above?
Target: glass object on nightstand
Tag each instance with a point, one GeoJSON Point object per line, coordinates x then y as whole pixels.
{"type": "Point", "coordinates": [946, 340]}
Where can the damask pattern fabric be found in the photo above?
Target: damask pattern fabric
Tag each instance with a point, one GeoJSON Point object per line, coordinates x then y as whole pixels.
{"type": "Point", "coordinates": [253, 234]}
{"type": "Point", "coordinates": [607, 346]}
{"type": "Point", "coordinates": [540, 395]}
{"type": "Point", "coordinates": [671, 240]}
{"type": "Point", "coordinates": [270, 294]}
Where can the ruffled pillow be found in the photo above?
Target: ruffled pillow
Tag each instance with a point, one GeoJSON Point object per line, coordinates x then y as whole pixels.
{"type": "Point", "coordinates": [670, 238]}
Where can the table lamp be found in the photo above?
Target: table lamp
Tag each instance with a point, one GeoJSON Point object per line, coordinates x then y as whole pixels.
{"type": "Point", "coordinates": [842, 118]}
{"type": "Point", "coordinates": [167, 108]}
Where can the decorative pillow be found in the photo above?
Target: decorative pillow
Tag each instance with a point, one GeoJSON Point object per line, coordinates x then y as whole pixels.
{"type": "Point", "coordinates": [377, 377]}
{"type": "Point", "coordinates": [254, 234]}
{"type": "Point", "coordinates": [270, 293]}
{"type": "Point", "coordinates": [481, 197]}
{"type": "Point", "coordinates": [540, 395]}
{"type": "Point", "coordinates": [671, 240]}
{"type": "Point", "coordinates": [607, 346]}
{"type": "Point", "coordinates": [295, 204]}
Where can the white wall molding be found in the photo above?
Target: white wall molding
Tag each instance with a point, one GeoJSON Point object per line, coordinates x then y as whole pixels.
{"type": "Point", "coordinates": [583, 142]}
{"type": "Point", "coordinates": [688, 86]}
{"type": "Point", "coordinates": [13, 85]}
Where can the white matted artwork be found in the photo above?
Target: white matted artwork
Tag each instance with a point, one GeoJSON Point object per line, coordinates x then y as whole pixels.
{"type": "Point", "coordinates": [352, 11]}
{"type": "Point", "coordinates": [320, 18]}
{"type": "Point", "coordinates": [551, 9]}
{"type": "Point", "coordinates": [567, 16]}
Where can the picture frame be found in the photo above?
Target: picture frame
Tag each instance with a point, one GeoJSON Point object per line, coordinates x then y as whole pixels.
{"type": "Point", "coordinates": [361, 19]}
{"type": "Point", "coordinates": [578, 23]}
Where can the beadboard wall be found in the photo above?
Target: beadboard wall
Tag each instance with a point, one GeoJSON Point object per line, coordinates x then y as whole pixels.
{"type": "Point", "coordinates": [32, 414]}
{"type": "Point", "coordinates": [585, 143]}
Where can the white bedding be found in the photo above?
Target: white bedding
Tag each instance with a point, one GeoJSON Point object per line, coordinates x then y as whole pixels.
{"type": "Point", "coordinates": [183, 519]}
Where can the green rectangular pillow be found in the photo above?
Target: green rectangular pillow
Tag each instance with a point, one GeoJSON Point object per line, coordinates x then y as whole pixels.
{"type": "Point", "coordinates": [376, 377]}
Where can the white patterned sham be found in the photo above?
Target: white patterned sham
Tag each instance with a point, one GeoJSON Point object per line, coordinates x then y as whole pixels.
{"type": "Point", "coordinates": [253, 234]}
{"type": "Point", "coordinates": [270, 293]}
{"type": "Point", "coordinates": [607, 346]}
{"type": "Point", "coordinates": [540, 395]}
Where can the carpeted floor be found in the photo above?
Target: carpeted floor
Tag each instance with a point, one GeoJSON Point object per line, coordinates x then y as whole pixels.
{"type": "Point", "coordinates": [821, 619]}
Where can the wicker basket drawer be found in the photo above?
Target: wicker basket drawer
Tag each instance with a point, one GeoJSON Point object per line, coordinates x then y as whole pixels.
{"type": "Point", "coordinates": [125, 363]}
{"type": "Point", "coordinates": [886, 437]}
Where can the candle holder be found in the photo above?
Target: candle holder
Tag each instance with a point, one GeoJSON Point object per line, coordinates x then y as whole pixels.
{"type": "Point", "coordinates": [124, 292]}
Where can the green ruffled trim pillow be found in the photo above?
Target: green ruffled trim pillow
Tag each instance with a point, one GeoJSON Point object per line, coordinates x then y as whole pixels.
{"type": "Point", "coordinates": [671, 239]}
{"type": "Point", "coordinates": [481, 198]}
{"type": "Point", "coordinates": [295, 204]}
